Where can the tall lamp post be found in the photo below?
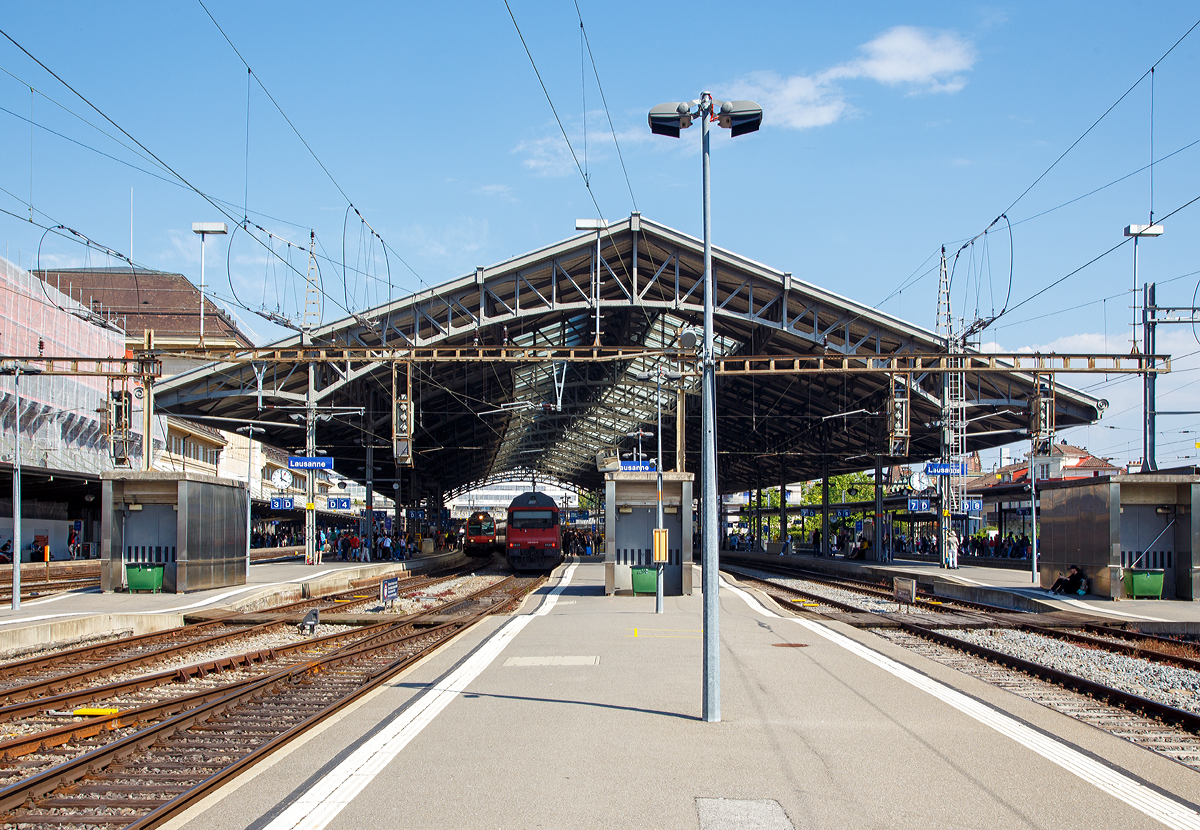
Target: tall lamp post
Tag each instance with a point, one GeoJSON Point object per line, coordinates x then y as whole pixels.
{"type": "Point", "coordinates": [739, 117]}
{"type": "Point", "coordinates": [249, 431]}
{"type": "Point", "coordinates": [658, 465]}
{"type": "Point", "coordinates": [204, 229]}
{"type": "Point", "coordinates": [1149, 425]}
{"type": "Point", "coordinates": [12, 367]}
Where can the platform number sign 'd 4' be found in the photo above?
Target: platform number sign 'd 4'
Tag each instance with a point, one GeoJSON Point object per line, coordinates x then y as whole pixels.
{"type": "Point", "coordinates": [339, 502]}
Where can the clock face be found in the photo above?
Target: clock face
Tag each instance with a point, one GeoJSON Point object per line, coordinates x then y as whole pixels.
{"type": "Point", "coordinates": [281, 478]}
{"type": "Point", "coordinates": [920, 481]}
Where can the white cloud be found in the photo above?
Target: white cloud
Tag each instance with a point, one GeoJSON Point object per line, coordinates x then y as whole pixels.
{"type": "Point", "coordinates": [500, 191]}
{"type": "Point", "coordinates": [912, 56]}
{"type": "Point", "coordinates": [799, 102]}
{"type": "Point", "coordinates": [465, 236]}
{"type": "Point", "coordinates": [921, 59]}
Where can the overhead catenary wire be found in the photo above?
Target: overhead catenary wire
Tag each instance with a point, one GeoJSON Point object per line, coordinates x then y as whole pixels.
{"type": "Point", "coordinates": [604, 101]}
{"type": "Point", "coordinates": [1075, 143]}
{"type": "Point", "coordinates": [128, 135]}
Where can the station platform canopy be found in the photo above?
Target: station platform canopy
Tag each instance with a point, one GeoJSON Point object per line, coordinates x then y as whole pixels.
{"type": "Point", "coordinates": [478, 419]}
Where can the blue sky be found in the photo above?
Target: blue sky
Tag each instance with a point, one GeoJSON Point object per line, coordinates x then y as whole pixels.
{"type": "Point", "coordinates": [890, 129]}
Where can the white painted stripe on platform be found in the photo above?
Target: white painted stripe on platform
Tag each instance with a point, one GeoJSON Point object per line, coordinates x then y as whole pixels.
{"type": "Point", "coordinates": [326, 798]}
{"type": "Point", "coordinates": [237, 591]}
{"type": "Point", "coordinates": [1107, 611]}
{"type": "Point", "coordinates": [1156, 805]}
{"type": "Point", "coordinates": [44, 617]}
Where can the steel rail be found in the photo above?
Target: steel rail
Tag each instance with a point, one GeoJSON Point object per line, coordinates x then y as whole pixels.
{"type": "Point", "coordinates": [46, 782]}
{"type": "Point", "coordinates": [1153, 655]}
{"type": "Point", "coordinates": [1170, 714]}
{"type": "Point", "coordinates": [24, 744]}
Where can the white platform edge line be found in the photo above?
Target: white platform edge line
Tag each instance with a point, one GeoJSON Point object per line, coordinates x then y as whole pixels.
{"type": "Point", "coordinates": [322, 803]}
{"type": "Point", "coordinates": [1157, 806]}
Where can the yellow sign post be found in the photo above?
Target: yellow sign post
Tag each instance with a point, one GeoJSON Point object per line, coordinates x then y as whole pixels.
{"type": "Point", "coordinates": [660, 545]}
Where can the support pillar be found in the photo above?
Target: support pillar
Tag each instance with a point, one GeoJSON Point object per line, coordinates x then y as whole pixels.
{"type": "Point", "coordinates": [310, 476]}
{"type": "Point", "coordinates": [783, 526]}
{"type": "Point", "coordinates": [680, 420]}
{"type": "Point", "coordinates": [370, 482]}
{"type": "Point", "coordinates": [880, 554]}
{"type": "Point", "coordinates": [824, 515]}
{"type": "Point", "coordinates": [758, 522]}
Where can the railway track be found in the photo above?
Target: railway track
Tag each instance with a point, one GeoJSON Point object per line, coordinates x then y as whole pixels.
{"type": "Point", "coordinates": [137, 775]}
{"type": "Point", "coordinates": [57, 673]}
{"type": "Point", "coordinates": [1172, 731]}
{"type": "Point", "coordinates": [1168, 731]}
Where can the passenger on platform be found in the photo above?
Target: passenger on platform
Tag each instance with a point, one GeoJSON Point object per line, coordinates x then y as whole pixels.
{"type": "Point", "coordinates": [1073, 583]}
{"type": "Point", "coordinates": [816, 542]}
{"type": "Point", "coordinates": [385, 545]}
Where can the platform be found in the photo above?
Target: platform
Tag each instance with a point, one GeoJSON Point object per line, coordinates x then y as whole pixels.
{"type": "Point", "coordinates": [584, 711]}
{"type": "Point", "coordinates": [73, 615]}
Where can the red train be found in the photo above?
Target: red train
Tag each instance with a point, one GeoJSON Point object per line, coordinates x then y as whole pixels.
{"type": "Point", "coordinates": [485, 535]}
{"type": "Point", "coordinates": [534, 540]}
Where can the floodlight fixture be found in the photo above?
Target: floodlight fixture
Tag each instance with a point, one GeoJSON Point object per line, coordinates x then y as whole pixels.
{"type": "Point", "coordinates": [590, 224]}
{"type": "Point", "coordinates": [204, 229]}
{"type": "Point", "coordinates": [1143, 230]}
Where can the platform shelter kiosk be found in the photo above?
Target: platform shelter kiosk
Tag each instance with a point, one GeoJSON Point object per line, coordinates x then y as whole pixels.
{"type": "Point", "coordinates": [631, 514]}
{"type": "Point", "coordinates": [1110, 526]}
{"type": "Point", "coordinates": [192, 526]}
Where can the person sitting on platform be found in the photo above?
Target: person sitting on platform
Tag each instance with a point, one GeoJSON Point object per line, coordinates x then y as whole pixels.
{"type": "Point", "coordinates": [1073, 583]}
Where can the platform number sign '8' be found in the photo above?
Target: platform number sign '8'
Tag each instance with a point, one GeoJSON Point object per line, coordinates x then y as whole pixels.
{"type": "Point", "coordinates": [402, 428]}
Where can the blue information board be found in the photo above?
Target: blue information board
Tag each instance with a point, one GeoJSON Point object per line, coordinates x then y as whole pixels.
{"type": "Point", "coordinates": [389, 589]}
{"type": "Point", "coordinates": [305, 462]}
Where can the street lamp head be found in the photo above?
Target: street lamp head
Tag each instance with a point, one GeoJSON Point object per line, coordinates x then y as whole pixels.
{"type": "Point", "coordinates": [642, 376]}
{"type": "Point", "coordinates": [209, 227]}
{"type": "Point", "coordinates": [669, 119]}
{"type": "Point", "coordinates": [740, 117]}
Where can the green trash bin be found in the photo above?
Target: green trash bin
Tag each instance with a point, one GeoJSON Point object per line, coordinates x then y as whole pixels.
{"type": "Point", "coordinates": [144, 578]}
{"type": "Point", "coordinates": [1143, 582]}
{"type": "Point", "coordinates": [645, 580]}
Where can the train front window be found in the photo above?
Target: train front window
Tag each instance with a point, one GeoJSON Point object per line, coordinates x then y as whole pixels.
{"type": "Point", "coordinates": [481, 527]}
{"type": "Point", "coordinates": [532, 519]}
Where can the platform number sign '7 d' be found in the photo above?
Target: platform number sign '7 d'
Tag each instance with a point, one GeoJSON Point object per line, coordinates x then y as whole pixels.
{"type": "Point", "coordinates": [402, 416]}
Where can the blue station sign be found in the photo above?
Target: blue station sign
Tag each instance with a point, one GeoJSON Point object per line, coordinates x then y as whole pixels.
{"type": "Point", "coordinates": [918, 505]}
{"type": "Point", "coordinates": [942, 468]}
{"type": "Point", "coordinates": [339, 502]}
{"type": "Point", "coordinates": [306, 462]}
{"type": "Point", "coordinates": [282, 503]}
{"type": "Point", "coordinates": [637, 466]}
